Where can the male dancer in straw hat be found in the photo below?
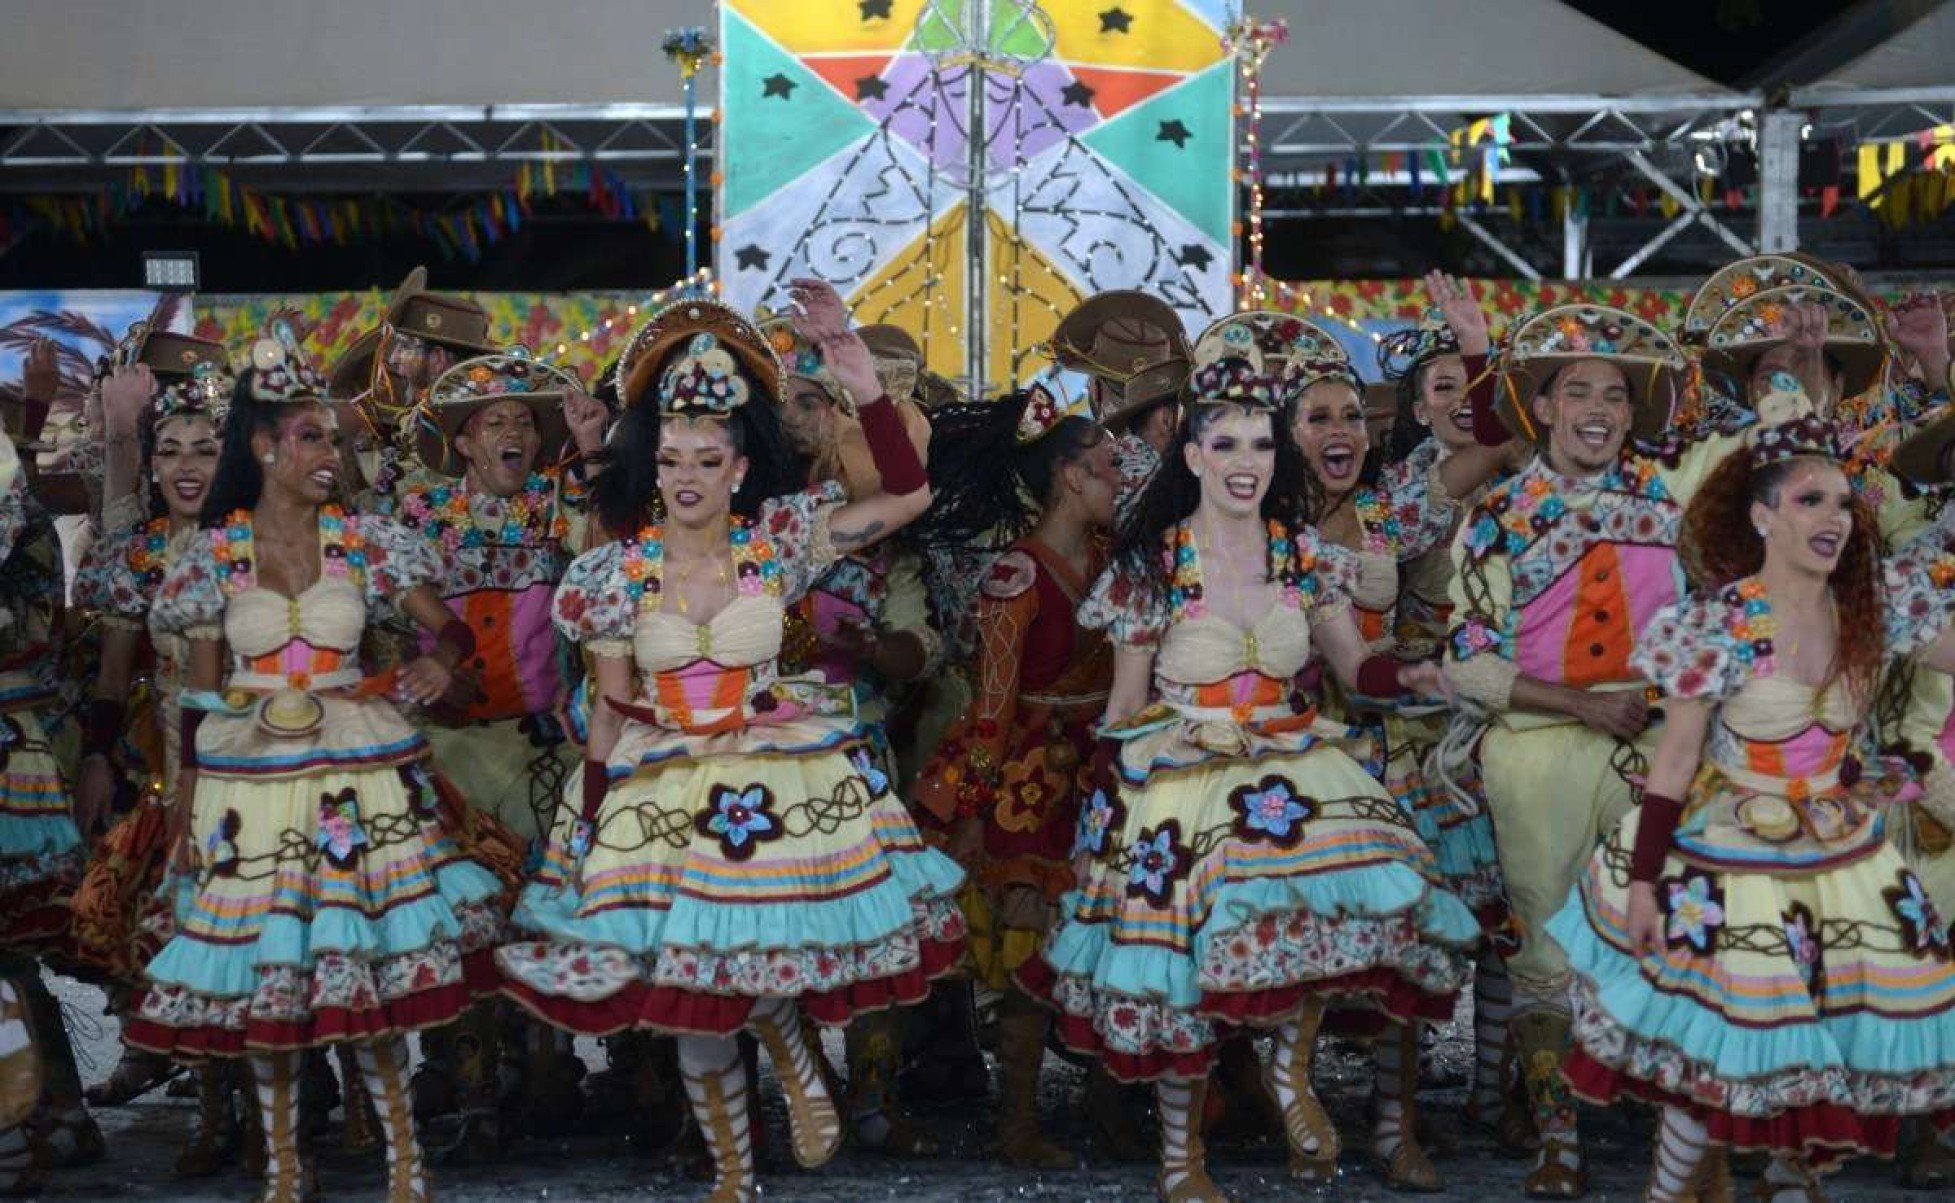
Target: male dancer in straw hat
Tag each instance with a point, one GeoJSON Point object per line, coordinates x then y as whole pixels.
{"type": "Point", "coordinates": [506, 520]}
{"type": "Point", "coordinates": [1556, 570]}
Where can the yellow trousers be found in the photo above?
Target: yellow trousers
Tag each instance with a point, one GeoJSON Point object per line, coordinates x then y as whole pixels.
{"type": "Point", "coordinates": [1555, 791]}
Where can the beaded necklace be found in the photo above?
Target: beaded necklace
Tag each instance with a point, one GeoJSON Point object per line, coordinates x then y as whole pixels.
{"type": "Point", "coordinates": [343, 552]}
{"type": "Point", "coordinates": [1378, 524]}
{"type": "Point", "coordinates": [756, 569]}
{"type": "Point", "coordinates": [528, 518]}
{"type": "Point", "coordinates": [1290, 561]}
{"type": "Point", "coordinates": [147, 554]}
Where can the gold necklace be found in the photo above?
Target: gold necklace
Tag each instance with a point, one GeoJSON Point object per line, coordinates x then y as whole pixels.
{"type": "Point", "coordinates": [685, 573]}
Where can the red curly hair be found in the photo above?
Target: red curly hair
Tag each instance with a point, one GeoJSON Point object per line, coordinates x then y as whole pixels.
{"type": "Point", "coordinates": [1720, 545]}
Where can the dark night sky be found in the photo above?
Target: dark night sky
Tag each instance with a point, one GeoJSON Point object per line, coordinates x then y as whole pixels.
{"type": "Point", "coordinates": [1722, 39]}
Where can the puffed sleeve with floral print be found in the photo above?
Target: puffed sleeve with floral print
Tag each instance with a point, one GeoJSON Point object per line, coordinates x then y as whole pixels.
{"type": "Point", "coordinates": [595, 605]}
{"type": "Point", "coordinates": [1127, 606]}
{"type": "Point", "coordinates": [1915, 598]}
{"type": "Point", "coordinates": [119, 575]}
{"type": "Point", "coordinates": [398, 559]}
{"type": "Point", "coordinates": [1417, 502]}
{"type": "Point", "coordinates": [797, 527]}
{"type": "Point", "coordinates": [190, 601]}
{"type": "Point", "coordinates": [1702, 646]}
{"type": "Point", "coordinates": [1333, 574]}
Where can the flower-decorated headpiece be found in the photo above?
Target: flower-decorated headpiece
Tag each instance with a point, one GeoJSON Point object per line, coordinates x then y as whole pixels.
{"type": "Point", "coordinates": [1403, 352]}
{"type": "Point", "coordinates": [279, 370]}
{"type": "Point", "coordinates": [802, 358]}
{"type": "Point", "coordinates": [1043, 411]}
{"type": "Point", "coordinates": [1261, 358]}
{"type": "Point", "coordinates": [205, 392]}
{"type": "Point", "coordinates": [1553, 339]}
{"type": "Point", "coordinates": [473, 384]}
{"type": "Point", "coordinates": [697, 357]}
{"type": "Point", "coordinates": [1788, 426]}
{"type": "Point", "coordinates": [1755, 325]}
{"type": "Point", "coordinates": [1740, 280]}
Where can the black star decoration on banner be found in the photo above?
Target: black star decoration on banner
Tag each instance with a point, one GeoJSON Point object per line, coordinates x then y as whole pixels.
{"type": "Point", "coordinates": [1175, 132]}
{"type": "Point", "coordinates": [1116, 20]}
{"type": "Point", "coordinates": [1195, 255]}
{"type": "Point", "coordinates": [1077, 93]}
{"type": "Point", "coordinates": [751, 258]}
{"type": "Point", "coordinates": [871, 87]}
{"type": "Point", "coordinates": [874, 8]}
{"type": "Point", "coordinates": [777, 85]}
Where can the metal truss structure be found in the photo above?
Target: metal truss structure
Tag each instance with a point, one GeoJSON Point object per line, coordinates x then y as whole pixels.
{"type": "Point", "coordinates": [1652, 142]}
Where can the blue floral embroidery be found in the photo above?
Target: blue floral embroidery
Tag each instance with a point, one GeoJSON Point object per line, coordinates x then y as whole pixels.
{"type": "Point", "coordinates": [1271, 810]}
{"type": "Point", "coordinates": [1926, 933]}
{"type": "Point", "coordinates": [1696, 908]}
{"type": "Point", "coordinates": [221, 847]}
{"type": "Point", "coordinates": [1099, 816]}
{"type": "Point", "coordinates": [739, 819]}
{"type": "Point", "coordinates": [340, 834]}
{"type": "Point", "coordinates": [1158, 860]}
{"type": "Point", "coordinates": [865, 764]}
{"type": "Point", "coordinates": [1802, 945]}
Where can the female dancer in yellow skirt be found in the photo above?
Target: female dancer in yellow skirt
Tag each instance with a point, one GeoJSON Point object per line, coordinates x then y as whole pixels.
{"type": "Point", "coordinates": [117, 907]}
{"type": "Point", "coordinates": [1750, 952]}
{"type": "Point", "coordinates": [325, 901]}
{"type": "Point", "coordinates": [1244, 870]}
{"type": "Point", "coordinates": [735, 857]}
{"type": "Point", "coordinates": [1401, 515]}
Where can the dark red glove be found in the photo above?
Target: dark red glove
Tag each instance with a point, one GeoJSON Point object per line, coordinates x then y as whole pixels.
{"type": "Point", "coordinates": [1653, 835]}
{"type": "Point", "coordinates": [889, 445]}
{"type": "Point", "coordinates": [1378, 677]}
{"type": "Point", "coordinates": [597, 783]}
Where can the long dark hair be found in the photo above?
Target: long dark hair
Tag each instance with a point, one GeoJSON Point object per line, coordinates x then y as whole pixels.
{"type": "Point", "coordinates": [626, 493]}
{"type": "Point", "coordinates": [240, 479]}
{"type": "Point", "coordinates": [1719, 546]}
{"type": "Point", "coordinates": [1294, 496]}
{"type": "Point", "coordinates": [988, 487]}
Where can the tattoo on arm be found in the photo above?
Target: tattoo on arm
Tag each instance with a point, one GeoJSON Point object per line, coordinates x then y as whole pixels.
{"type": "Point", "coordinates": [849, 540]}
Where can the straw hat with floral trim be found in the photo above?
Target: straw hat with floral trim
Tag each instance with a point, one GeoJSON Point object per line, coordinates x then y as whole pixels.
{"type": "Point", "coordinates": [433, 317]}
{"type": "Point", "coordinates": [1114, 336]}
{"type": "Point", "coordinates": [898, 358]}
{"type": "Point", "coordinates": [1740, 280]}
{"type": "Point", "coordinates": [1755, 325]}
{"type": "Point", "coordinates": [475, 384]}
{"type": "Point", "coordinates": [801, 358]}
{"type": "Point", "coordinates": [1261, 358]}
{"type": "Point", "coordinates": [699, 358]}
{"type": "Point", "coordinates": [1553, 339]}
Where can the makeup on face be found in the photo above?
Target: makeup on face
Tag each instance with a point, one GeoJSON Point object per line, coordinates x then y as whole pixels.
{"type": "Point", "coordinates": [697, 468]}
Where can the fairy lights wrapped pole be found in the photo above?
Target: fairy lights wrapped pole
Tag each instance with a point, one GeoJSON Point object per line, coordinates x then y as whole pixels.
{"type": "Point", "coordinates": [690, 48]}
{"type": "Point", "coordinates": [1250, 42]}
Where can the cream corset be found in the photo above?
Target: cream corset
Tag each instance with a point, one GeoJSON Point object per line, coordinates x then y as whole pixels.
{"type": "Point", "coordinates": [1777, 708]}
{"type": "Point", "coordinates": [1376, 587]}
{"type": "Point", "coordinates": [1200, 650]}
{"type": "Point", "coordinates": [330, 615]}
{"type": "Point", "coordinates": [746, 633]}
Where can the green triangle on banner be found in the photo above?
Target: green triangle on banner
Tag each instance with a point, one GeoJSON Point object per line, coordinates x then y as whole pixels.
{"type": "Point", "coordinates": [778, 118]}
{"type": "Point", "coordinates": [1180, 145]}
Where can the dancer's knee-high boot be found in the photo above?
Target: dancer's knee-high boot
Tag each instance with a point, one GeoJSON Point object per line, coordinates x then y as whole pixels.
{"type": "Point", "coordinates": [288, 1171]}
{"type": "Point", "coordinates": [1313, 1138]}
{"type": "Point", "coordinates": [1395, 1132]}
{"type": "Point", "coordinates": [817, 1127]}
{"type": "Point", "coordinates": [1184, 1160]}
{"type": "Point", "coordinates": [360, 1133]}
{"type": "Point", "coordinates": [716, 1086]}
{"type": "Point", "coordinates": [383, 1063]}
{"type": "Point", "coordinates": [215, 1139]}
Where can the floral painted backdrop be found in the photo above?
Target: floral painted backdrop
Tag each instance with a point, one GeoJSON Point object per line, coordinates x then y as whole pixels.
{"type": "Point", "coordinates": [584, 331]}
